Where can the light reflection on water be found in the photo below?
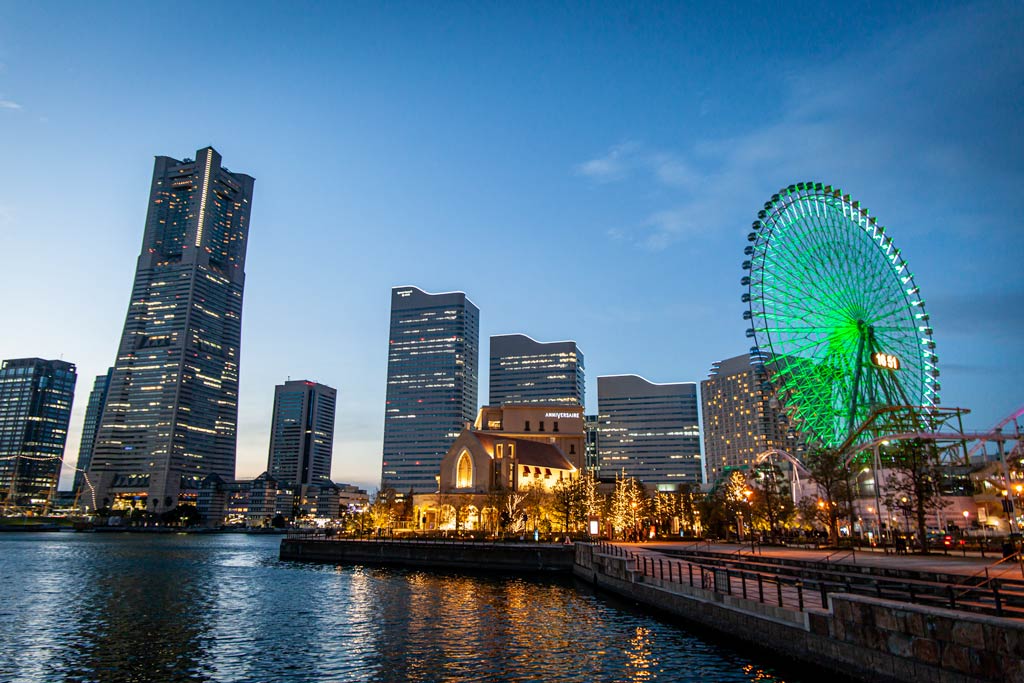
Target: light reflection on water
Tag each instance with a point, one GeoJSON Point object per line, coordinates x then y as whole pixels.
{"type": "Point", "coordinates": [99, 607]}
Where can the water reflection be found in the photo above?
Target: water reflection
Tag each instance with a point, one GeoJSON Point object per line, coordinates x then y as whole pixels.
{"type": "Point", "coordinates": [221, 608]}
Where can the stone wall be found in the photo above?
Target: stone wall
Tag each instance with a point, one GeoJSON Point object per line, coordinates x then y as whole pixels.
{"type": "Point", "coordinates": [867, 638]}
{"type": "Point", "coordinates": [512, 557]}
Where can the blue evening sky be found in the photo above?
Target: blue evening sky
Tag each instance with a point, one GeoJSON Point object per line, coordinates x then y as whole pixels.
{"type": "Point", "coordinates": [581, 170]}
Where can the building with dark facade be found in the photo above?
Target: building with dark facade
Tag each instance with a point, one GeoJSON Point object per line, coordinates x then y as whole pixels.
{"type": "Point", "coordinates": [524, 370]}
{"type": "Point", "coordinates": [172, 406]}
{"type": "Point", "coordinates": [302, 433]}
{"type": "Point", "coordinates": [741, 417]}
{"type": "Point", "coordinates": [93, 411]}
{"type": "Point", "coordinates": [650, 431]}
{"type": "Point", "coordinates": [35, 409]}
{"type": "Point", "coordinates": [433, 353]}
{"type": "Point", "coordinates": [592, 461]}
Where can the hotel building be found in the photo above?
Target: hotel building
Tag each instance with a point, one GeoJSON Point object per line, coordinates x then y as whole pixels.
{"type": "Point", "coordinates": [741, 418]}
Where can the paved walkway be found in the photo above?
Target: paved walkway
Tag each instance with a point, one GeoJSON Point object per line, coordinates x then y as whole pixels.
{"type": "Point", "coordinates": [771, 584]}
{"type": "Point", "coordinates": [935, 563]}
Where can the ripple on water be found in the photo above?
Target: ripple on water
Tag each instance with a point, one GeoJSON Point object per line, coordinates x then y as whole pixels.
{"type": "Point", "coordinates": [98, 607]}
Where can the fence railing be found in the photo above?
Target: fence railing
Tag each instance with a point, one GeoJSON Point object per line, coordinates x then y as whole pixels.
{"type": "Point", "coordinates": [794, 592]}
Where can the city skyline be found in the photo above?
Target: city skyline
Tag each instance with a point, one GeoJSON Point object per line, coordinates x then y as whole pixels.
{"type": "Point", "coordinates": [612, 167]}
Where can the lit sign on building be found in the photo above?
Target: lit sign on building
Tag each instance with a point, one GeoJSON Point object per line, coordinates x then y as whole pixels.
{"type": "Point", "coordinates": [886, 361]}
{"type": "Point", "coordinates": [558, 416]}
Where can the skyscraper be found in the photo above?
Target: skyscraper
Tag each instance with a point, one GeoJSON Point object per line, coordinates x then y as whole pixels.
{"type": "Point", "coordinates": [741, 418]}
{"type": "Point", "coordinates": [302, 433]}
{"type": "Point", "coordinates": [432, 383]}
{"type": "Point", "coordinates": [172, 405]}
{"type": "Point", "coordinates": [649, 430]}
{"type": "Point", "coordinates": [35, 408]}
{"type": "Point", "coordinates": [524, 370]}
{"type": "Point", "coordinates": [93, 411]}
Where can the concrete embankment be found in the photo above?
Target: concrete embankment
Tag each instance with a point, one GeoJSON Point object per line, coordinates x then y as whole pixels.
{"type": "Point", "coordinates": [865, 637]}
{"type": "Point", "coordinates": [495, 557]}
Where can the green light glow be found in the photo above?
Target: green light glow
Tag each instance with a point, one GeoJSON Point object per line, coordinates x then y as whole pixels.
{"type": "Point", "coordinates": [827, 290]}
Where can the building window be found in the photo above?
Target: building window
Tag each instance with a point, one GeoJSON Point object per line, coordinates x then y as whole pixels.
{"type": "Point", "coordinates": [572, 449]}
{"type": "Point", "coordinates": [555, 428]}
{"type": "Point", "coordinates": [541, 428]}
{"type": "Point", "coordinates": [464, 472]}
{"type": "Point", "coordinates": [527, 428]}
{"type": "Point", "coordinates": [501, 450]}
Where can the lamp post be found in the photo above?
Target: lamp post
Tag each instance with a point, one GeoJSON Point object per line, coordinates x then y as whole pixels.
{"type": "Point", "coordinates": [750, 511]}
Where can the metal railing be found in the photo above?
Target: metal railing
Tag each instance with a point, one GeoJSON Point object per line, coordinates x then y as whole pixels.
{"type": "Point", "coordinates": [800, 593]}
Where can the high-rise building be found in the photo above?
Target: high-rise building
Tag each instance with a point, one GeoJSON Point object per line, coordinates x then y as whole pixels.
{"type": "Point", "coordinates": [524, 370]}
{"type": "Point", "coordinates": [432, 383]}
{"type": "Point", "coordinates": [649, 430]}
{"type": "Point", "coordinates": [35, 408]}
{"type": "Point", "coordinates": [591, 460]}
{"type": "Point", "coordinates": [741, 417]}
{"type": "Point", "coordinates": [93, 411]}
{"type": "Point", "coordinates": [172, 406]}
{"type": "Point", "coordinates": [302, 433]}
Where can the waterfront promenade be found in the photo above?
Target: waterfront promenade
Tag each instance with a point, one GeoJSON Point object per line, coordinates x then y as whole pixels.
{"type": "Point", "coordinates": [880, 618]}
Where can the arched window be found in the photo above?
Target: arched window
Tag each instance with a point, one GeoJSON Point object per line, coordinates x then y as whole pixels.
{"type": "Point", "coordinates": [464, 472]}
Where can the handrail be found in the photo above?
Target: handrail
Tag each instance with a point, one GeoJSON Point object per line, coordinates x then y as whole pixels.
{"type": "Point", "coordinates": [1018, 556]}
{"type": "Point", "coordinates": [842, 552]}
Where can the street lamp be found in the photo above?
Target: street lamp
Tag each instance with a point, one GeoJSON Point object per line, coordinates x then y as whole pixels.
{"type": "Point", "coordinates": [747, 493]}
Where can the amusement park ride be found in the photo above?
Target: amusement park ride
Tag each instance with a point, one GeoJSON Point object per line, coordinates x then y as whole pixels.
{"type": "Point", "coordinates": [841, 328]}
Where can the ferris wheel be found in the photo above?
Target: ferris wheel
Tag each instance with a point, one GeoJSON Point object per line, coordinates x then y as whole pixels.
{"type": "Point", "coordinates": [835, 312]}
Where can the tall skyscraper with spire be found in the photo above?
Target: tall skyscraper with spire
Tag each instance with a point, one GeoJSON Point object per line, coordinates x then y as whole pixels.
{"type": "Point", "coordinates": [172, 405]}
{"type": "Point", "coordinates": [432, 383]}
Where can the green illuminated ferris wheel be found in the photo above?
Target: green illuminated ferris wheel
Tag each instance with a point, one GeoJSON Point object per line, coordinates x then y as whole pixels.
{"type": "Point", "coordinates": [835, 313]}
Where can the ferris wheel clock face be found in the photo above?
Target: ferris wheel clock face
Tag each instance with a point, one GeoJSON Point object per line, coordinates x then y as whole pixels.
{"type": "Point", "coordinates": [834, 307]}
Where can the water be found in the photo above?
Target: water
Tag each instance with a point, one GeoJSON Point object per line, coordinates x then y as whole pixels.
{"type": "Point", "coordinates": [120, 607]}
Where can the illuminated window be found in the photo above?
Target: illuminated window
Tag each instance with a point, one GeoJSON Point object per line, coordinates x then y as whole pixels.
{"type": "Point", "coordinates": [464, 471]}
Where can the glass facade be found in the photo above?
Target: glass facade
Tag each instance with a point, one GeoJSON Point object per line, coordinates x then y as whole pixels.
{"type": "Point", "coordinates": [35, 408]}
{"type": "Point", "coordinates": [524, 370]}
{"type": "Point", "coordinates": [432, 383]}
{"type": "Point", "coordinates": [741, 419]}
{"type": "Point", "coordinates": [302, 433]}
{"type": "Point", "coordinates": [93, 411]}
{"type": "Point", "coordinates": [172, 406]}
{"type": "Point", "coordinates": [649, 430]}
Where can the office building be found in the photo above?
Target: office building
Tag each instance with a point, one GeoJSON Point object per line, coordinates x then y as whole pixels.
{"type": "Point", "coordinates": [432, 383]}
{"type": "Point", "coordinates": [524, 370]}
{"type": "Point", "coordinates": [35, 408]}
{"type": "Point", "coordinates": [302, 433]}
{"type": "Point", "coordinates": [649, 430]}
{"type": "Point", "coordinates": [591, 462]}
{"type": "Point", "coordinates": [93, 411]}
{"type": "Point", "coordinates": [741, 417]}
{"type": "Point", "coordinates": [172, 406]}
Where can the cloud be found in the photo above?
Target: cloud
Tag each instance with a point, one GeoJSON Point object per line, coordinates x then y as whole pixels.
{"type": "Point", "coordinates": [613, 165]}
{"type": "Point", "coordinates": [8, 104]}
{"type": "Point", "coordinates": [925, 119]}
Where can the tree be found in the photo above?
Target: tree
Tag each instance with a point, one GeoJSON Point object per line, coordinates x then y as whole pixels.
{"type": "Point", "coordinates": [629, 506]}
{"type": "Point", "coordinates": [914, 485]}
{"type": "Point", "coordinates": [574, 500]}
{"type": "Point", "coordinates": [832, 478]}
{"type": "Point", "coordinates": [772, 499]}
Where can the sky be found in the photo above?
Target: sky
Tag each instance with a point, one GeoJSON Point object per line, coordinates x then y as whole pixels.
{"type": "Point", "coordinates": [583, 171]}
